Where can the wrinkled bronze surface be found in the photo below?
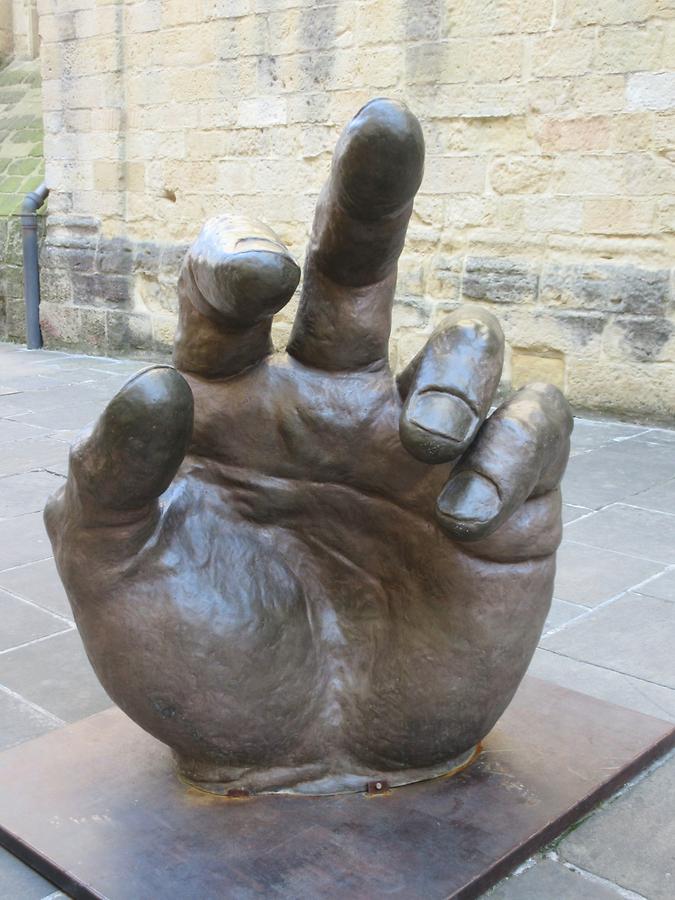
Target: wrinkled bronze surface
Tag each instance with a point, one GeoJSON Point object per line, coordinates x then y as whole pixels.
{"type": "Point", "coordinates": [293, 570]}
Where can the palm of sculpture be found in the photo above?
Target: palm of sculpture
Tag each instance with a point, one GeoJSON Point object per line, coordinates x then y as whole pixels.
{"type": "Point", "coordinates": [343, 577]}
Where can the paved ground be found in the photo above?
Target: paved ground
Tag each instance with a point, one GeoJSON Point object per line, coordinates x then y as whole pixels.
{"type": "Point", "coordinates": [611, 631]}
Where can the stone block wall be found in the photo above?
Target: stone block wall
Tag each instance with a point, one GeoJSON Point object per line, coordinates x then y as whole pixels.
{"type": "Point", "coordinates": [21, 171]}
{"type": "Point", "coordinates": [6, 32]}
{"type": "Point", "coordinates": [18, 30]}
{"type": "Point", "coordinates": [549, 185]}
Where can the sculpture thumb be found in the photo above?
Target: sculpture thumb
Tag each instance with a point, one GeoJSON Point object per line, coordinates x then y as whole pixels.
{"type": "Point", "coordinates": [134, 450]}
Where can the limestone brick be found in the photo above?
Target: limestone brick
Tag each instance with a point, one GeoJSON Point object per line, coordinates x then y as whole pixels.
{"type": "Point", "coordinates": [381, 20]}
{"type": "Point", "coordinates": [606, 12]}
{"type": "Point", "coordinates": [143, 16]}
{"type": "Point", "coordinates": [258, 112]}
{"type": "Point", "coordinates": [562, 53]}
{"type": "Point", "coordinates": [651, 90]}
{"type": "Point", "coordinates": [553, 214]}
{"type": "Point", "coordinates": [97, 22]}
{"type": "Point", "coordinates": [455, 175]}
{"type": "Point", "coordinates": [497, 16]}
{"type": "Point", "coordinates": [664, 132]}
{"type": "Point", "coordinates": [665, 215]}
{"type": "Point", "coordinates": [646, 173]}
{"type": "Point", "coordinates": [618, 216]}
{"type": "Point", "coordinates": [528, 367]}
{"type": "Point", "coordinates": [580, 174]}
{"type": "Point", "coordinates": [182, 12]}
{"type": "Point", "coordinates": [597, 94]}
{"type": "Point", "coordinates": [583, 134]}
{"type": "Point", "coordinates": [631, 132]}
{"type": "Point", "coordinates": [521, 175]}
{"type": "Point", "coordinates": [629, 48]}
{"type": "Point", "coordinates": [596, 383]}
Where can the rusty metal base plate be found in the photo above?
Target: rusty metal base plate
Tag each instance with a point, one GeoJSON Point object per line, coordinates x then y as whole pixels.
{"type": "Point", "coordinates": [97, 808]}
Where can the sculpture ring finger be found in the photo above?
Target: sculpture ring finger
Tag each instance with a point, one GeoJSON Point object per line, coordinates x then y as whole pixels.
{"type": "Point", "coordinates": [294, 570]}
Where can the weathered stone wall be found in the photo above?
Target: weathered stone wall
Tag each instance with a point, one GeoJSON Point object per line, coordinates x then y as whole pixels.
{"type": "Point", "coordinates": [6, 33]}
{"type": "Point", "coordinates": [21, 171]}
{"type": "Point", "coordinates": [549, 185]}
{"type": "Point", "coordinates": [18, 29]}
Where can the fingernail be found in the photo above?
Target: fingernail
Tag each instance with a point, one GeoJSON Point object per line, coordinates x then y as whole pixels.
{"type": "Point", "coordinates": [469, 496]}
{"type": "Point", "coordinates": [443, 414]}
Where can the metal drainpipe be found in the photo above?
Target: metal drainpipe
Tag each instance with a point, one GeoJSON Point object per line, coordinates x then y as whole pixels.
{"type": "Point", "coordinates": [31, 269]}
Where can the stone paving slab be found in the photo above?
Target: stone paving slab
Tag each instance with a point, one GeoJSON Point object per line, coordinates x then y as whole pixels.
{"type": "Point", "coordinates": [22, 540]}
{"type": "Point", "coordinates": [630, 530]}
{"type": "Point", "coordinates": [590, 435]}
{"type": "Point", "coordinates": [22, 721]}
{"type": "Point", "coordinates": [561, 613]}
{"type": "Point", "coordinates": [610, 632]}
{"type": "Point", "coordinates": [631, 841]}
{"type": "Point", "coordinates": [605, 684]}
{"type": "Point", "coordinates": [549, 879]}
{"type": "Point", "coordinates": [39, 584]}
{"type": "Point", "coordinates": [27, 492]}
{"type": "Point", "coordinates": [663, 586]}
{"type": "Point", "coordinates": [634, 635]}
{"type": "Point", "coordinates": [23, 623]}
{"type": "Point", "coordinates": [658, 435]}
{"type": "Point", "coordinates": [570, 513]}
{"type": "Point", "coordinates": [18, 882]}
{"type": "Point", "coordinates": [47, 453]}
{"type": "Point", "coordinates": [616, 473]}
{"type": "Point", "coordinates": [55, 675]}
{"type": "Point", "coordinates": [661, 497]}
{"type": "Point", "coordinates": [590, 576]}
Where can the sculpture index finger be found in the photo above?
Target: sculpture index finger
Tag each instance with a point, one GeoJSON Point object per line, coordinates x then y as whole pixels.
{"type": "Point", "coordinates": [234, 278]}
{"type": "Point", "coordinates": [344, 317]}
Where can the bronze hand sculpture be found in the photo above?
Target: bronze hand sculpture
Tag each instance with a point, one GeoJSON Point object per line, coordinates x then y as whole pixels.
{"type": "Point", "coordinates": [296, 571]}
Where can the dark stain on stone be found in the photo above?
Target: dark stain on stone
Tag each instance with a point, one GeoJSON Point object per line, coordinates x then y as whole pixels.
{"type": "Point", "coordinates": [101, 290]}
{"type": "Point", "coordinates": [583, 325]}
{"type": "Point", "coordinates": [499, 280]}
{"type": "Point", "coordinates": [267, 72]}
{"type": "Point", "coordinates": [614, 288]}
{"type": "Point", "coordinates": [317, 32]}
{"type": "Point", "coordinates": [115, 255]}
{"type": "Point", "coordinates": [645, 338]}
{"type": "Point", "coordinates": [423, 20]}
